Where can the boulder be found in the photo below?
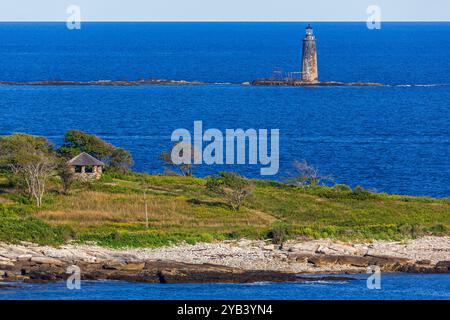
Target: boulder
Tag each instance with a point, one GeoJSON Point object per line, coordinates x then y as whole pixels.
{"type": "Point", "coordinates": [356, 261]}
{"type": "Point", "coordinates": [46, 260]}
{"type": "Point", "coordinates": [321, 260]}
{"type": "Point", "coordinates": [299, 256]}
{"type": "Point", "coordinates": [4, 259]}
{"type": "Point", "coordinates": [133, 266]}
{"type": "Point", "coordinates": [114, 265]}
{"type": "Point", "coordinates": [24, 257]}
{"type": "Point", "coordinates": [6, 262]}
{"type": "Point", "coordinates": [443, 266]}
{"type": "Point", "coordinates": [269, 247]}
{"type": "Point", "coordinates": [383, 261]}
{"type": "Point", "coordinates": [323, 250]}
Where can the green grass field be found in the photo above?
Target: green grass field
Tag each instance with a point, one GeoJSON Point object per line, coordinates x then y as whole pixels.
{"type": "Point", "coordinates": [111, 212]}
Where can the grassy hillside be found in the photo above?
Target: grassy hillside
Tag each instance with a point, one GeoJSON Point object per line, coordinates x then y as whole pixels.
{"type": "Point", "coordinates": [111, 212]}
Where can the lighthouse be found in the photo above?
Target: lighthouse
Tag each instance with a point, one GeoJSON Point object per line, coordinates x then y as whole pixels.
{"type": "Point", "coordinates": [309, 57]}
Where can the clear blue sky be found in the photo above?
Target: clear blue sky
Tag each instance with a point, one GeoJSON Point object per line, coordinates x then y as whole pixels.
{"type": "Point", "coordinates": [225, 10]}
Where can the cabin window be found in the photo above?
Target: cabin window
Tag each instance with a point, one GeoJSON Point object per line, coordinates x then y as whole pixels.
{"type": "Point", "coordinates": [89, 169]}
{"type": "Point", "coordinates": [78, 169]}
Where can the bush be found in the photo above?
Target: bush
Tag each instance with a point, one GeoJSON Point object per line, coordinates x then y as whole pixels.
{"type": "Point", "coordinates": [342, 188]}
{"type": "Point", "coordinates": [17, 224]}
{"type": "Point", "coordinates": [361, 194]}
{"type": "Point", "coordinates": [279, 233]}
{"type": "Point", "coordinates": [411, 230]}
{"type": "Point", "coordinates": [439, 229]}
{"type": "Point", "coordinates": [231, 186]}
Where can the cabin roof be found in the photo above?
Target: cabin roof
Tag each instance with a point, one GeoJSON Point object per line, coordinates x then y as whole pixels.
{"type": "Point", "coordinates": [84, 159]}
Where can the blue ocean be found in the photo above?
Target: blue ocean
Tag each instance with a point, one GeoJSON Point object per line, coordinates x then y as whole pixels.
{"type": "Point", "coordinates": [393, 139]}
{"type": "Point", "coordinates": [393, 287]}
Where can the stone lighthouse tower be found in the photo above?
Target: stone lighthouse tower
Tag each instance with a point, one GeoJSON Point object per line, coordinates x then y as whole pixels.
{"type": "Point", "coordinates": [309, 59]}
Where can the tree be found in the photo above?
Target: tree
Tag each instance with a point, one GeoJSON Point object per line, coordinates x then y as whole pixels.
{"type": "Point", "coordinates": [233, 187]}
{"type": "Point", "coordinates": [31, 159]}
{"type": "Point", "coordinates": [180, 150]}
{"type": "Point", "coordinates": [66, 174]}
{"type": "Point", "coordinates": [76, 141]}
{"type": "Point", "coordinates": [306, 174]}
{"type": "Point", "coordinates": [121, 159]}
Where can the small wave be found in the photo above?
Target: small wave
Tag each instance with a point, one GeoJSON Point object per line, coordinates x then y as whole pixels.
{"type": "Point", "coordinates": [424, 85]}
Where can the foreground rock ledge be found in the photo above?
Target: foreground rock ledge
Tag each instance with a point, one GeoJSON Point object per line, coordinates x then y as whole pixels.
{"type": "Point", "coordinates": [241, 261]}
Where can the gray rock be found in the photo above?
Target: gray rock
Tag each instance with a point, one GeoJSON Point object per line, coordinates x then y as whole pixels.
{"type": "Point", "coordinates": [443, 266]}
{"type": "Point", "coordinates": [24, 257]}
{"type": "Point", "coordinates": [46, 260]}
{"type": "Point", "coordinates": [300, 256]}
{"type": "Point", "coordinates": [323, 250]}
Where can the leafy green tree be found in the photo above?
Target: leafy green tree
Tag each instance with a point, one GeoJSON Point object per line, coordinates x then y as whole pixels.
{"type": "Point", "coordinates": [30, 158]}
{"type": "Point", "coordinates": [76, 141]}
{"type": "Point", "coordinates": [18, 147]}
{"type": "Point", "coordinates": [121, 159]}
{"type": "Point", "coordinates": [233, 187]}
{"type": "Point", "coordinates": [66, 174]}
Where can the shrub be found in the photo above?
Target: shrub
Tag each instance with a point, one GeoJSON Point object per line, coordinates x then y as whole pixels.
{"type": "Point", "coordinates": [17, 224]}
{"type": "Point", "coordinates": [279, 233]}
{"type": "Point", "coordinates": [411, 230]}
{"type": "Point", "coordinates": [234, 188]}
{"type": "Point", "coordinates": [342, 188]}
{"type": "Point", "coordinates": [361, 194]}
{"type": "Point", "coordinates": [439, 229]}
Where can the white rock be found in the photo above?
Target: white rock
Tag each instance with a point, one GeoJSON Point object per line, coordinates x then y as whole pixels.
{"type": "Point", "coordinates": [24, 257]}
{"type": "Point", "coordinates": [323, 250]}
{"type": "Point", "coordinates": [269, 247]}
{"type": "Point", "coordinates": [6, 263]}
{"type": "Point", "coordinates": [46, 260]}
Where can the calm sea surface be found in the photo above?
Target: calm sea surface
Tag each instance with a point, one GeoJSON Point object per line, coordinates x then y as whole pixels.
{"type": "Point", "coordinates": [393, 286]}
{"type": "Point", "coordinates": [393, 139]}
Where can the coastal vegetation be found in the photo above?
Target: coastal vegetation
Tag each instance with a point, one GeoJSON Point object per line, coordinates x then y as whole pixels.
{"type": "Point", "coordinates": [129, 209]}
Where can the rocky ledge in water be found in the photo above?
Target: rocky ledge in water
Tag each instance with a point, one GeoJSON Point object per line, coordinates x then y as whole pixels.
{"type": "Point", "coordinates": [299, 83]}
{"type": "Point", "coordinates": [48, 269]}
{"type": "Point", "coordinates": [101, 82]}
{"type": "Point", "coordinates": [240, 261]}
{"type": "Point", "coordinates": [258, 82]}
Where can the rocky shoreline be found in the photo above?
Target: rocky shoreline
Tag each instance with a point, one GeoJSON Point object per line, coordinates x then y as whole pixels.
{"type": "Point", "coordinates": [240, 261]}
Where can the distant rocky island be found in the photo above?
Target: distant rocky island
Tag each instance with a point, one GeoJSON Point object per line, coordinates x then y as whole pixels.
{"type": "Point", "coordinates": [300, 83]}
{"type": "Point", "coordinates": [308, 77]}
{"type": "Point", "coordinates": [167, 82]}
{"type": "Point", "coordinates": [257, 82]}
{"type": "Point", "coordinates": [100, 82]}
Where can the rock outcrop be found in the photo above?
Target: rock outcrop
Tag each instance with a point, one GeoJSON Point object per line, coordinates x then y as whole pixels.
{"type": "Point", "coordinates": [227, 261]}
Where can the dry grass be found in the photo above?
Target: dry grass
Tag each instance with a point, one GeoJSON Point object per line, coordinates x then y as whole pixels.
{"type": "Point", "coordinates": [98, 208]}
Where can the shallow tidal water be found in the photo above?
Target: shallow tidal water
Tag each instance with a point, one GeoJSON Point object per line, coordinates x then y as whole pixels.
{"type": "Point", "coordinates": [393, 286]}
